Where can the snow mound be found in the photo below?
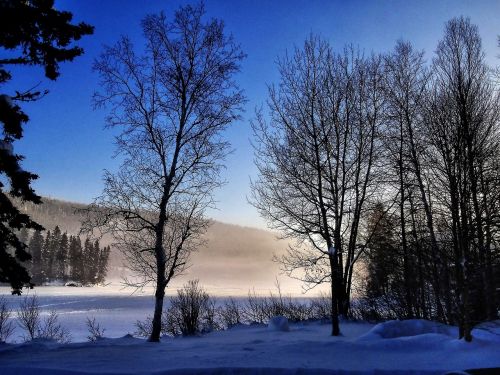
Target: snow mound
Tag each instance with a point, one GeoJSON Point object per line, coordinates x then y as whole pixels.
{"type": "Point", "coordinates": [278, 323]}
{"type": "Point", "coordinates": [488, 331]}
{"type": "Point", "coordinates": [406, 328]}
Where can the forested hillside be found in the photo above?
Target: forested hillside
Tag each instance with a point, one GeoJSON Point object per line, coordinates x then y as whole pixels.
{"type": "Point", "coordinates": [234, 259]}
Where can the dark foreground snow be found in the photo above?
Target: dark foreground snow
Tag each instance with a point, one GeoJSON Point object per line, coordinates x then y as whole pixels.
{"type": "Point", "coordinates": [418, 347]}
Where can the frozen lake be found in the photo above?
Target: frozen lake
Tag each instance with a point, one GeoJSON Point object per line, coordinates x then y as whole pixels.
{"type": "Point", "coordinates": [116, 309]}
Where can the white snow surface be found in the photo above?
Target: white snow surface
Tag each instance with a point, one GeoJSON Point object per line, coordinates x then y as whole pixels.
{"type": "Point", "coordinates": [394, 347]}
{"type": "Point", "coordinates": [278, 323]}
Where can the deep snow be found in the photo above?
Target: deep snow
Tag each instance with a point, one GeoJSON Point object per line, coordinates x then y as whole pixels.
{"type": "Point", "coordinates": [390, 347]}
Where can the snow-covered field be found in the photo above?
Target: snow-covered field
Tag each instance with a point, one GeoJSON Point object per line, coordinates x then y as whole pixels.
{"type": "Point", "coordinates": [392, 347]}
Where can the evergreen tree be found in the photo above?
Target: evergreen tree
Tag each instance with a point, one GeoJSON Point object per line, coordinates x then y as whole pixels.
{"type": "Point", "coordinates": [46, 257]}
{"type": "Point", "coordinates": [383, 257]}
{"type": "Point", "coordinates": [35, 249]}
{"type": "Point", "coordinates": [75, 259]}
{"type": "Point", "coordinates": [24, 237]}
{"type": "Point", "coordinates": [95, 262]}
{"type": "Point", "coordinates": [87, 261]}
{"type": "Point", "coordinates": [103, 264]}
{"type": "Point", "coordinates": [61, 258]}
{"type": "Point", "coordinates": [32, 32]}
{"type": "Point", "coordinates": [54, 245]}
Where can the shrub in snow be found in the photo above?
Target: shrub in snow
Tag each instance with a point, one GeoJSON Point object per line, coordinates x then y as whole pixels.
{"type": "Point", "coordinates": [260, 309]}
{"type": "Point", "coordinates": [376, 309]}
{"type": "Point", "coordinates": [144, 327]}
{"type": "Point", "coordinates": [321, 307]}
{"type": "Point", "coordinates": [29, 320]}
{"type": "Point", "coordinates": [256, 309]}
{"type": "Point", "coordinates": [51, 329]}
{"type": "Point", "coordinates": [191, 311]}
{"type": "Point", "coordinates": [6, 325]}
{"type": "Point", "coordinates": [278, 323]}
{"type": "Point", "coordinates": [96, 332]}
{"type": "Point", "coordinates": [230, 313]}
{"type": "Point", "coordinates": [29, 317]}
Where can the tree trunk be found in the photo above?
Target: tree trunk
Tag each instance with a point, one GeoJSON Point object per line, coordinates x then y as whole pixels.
{"type": "Point", "coordinates": [161, 282]}
{"type": "Point", "coordinates": [406, 269]}
{"type": "Point", "coordinates": [159, 296]}
{"type": "Point", "coordinates": [335, 295]}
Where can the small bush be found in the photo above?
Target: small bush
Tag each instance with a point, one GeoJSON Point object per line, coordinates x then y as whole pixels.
{"type": "Point", "coordinates": [191, 311]}
{"type": "Point", "coordinates": [377, 309]}
{"type": "Point", "coordinates": [30, 321]}
{"type": "Point", "coordinates": [51, 329]}
{"type": "Point", "coordinates": [96, 332]}
{"type": "Point", "coordinates": [321, 307]}
{"type": "Point", "coordinates": [230, 313]}
{"type": "Point", "coordinates": [260, 309]}
{"type": "Point", "coordinates": [256, 309]}
{"type": "Point", "coordinates": [6, 324]}
{"type": "Point", "coordinates": [144, 327]}
{"type": "Point", "coordinates": [29, 317]}
{"type": "Point", "coordinates": [210, 318]}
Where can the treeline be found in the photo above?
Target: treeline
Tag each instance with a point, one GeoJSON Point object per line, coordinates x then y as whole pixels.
{"type": "Point", "coordinates": [57, 256]}
{"type": "Point", "coordinates": [388, 168]}
{"type": "Point", "coordinates": [434, 247]}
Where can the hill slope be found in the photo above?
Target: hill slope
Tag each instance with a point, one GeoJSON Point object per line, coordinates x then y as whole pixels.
{"type": "Point", "coordinates": [235, 260]}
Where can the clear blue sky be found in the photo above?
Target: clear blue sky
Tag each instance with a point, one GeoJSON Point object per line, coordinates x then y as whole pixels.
{"type": "Point", "coordinates": [67, 145]}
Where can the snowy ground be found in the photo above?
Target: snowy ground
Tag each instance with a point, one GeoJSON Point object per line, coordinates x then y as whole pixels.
{"type": "Point", "coordinates": [392, 347]}
{"type": "Point", "coordinates": [114, 308]}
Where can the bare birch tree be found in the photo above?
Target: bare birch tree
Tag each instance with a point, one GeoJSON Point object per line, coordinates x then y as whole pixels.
{"type": "Point", "coordinates": [315, 158]}
{"type": "Point", "coordinates": [170, 105]}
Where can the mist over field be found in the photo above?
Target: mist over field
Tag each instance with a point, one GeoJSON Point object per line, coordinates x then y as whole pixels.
{"type": "Point", "coordinates": [235, 260]}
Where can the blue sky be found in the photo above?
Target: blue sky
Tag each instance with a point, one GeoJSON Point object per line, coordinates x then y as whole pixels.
{"type": "Point", "coordinates": [66, 143]}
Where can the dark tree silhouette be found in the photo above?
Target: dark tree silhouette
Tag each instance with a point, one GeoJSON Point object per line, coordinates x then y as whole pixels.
{"type": "Point", "coordinates": [31, 33]}
{"type": "Point", "coordinates": [171, 105]}
{"type": "Point", "coordinates": [463, 122]}
{"type": "Point", "coordinates": [316, 162]}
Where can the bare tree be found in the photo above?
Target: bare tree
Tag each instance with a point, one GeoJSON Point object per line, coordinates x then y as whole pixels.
{"type": "Point", "coordinates": [463, 130]}
{"type": "Point", "coordinates": [406, 92]}
{"type": "Point", "coordinates": [171, 104]}
{"type": "Point", "coordinates": [316, 160]}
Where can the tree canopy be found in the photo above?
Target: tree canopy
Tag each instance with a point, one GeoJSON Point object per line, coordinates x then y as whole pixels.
{"type": "Point", "coordinates": [32, 33]}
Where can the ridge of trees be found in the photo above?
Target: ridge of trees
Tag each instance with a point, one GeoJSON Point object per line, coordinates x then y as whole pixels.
{"type": "Point", "coordinates": [62, 257]}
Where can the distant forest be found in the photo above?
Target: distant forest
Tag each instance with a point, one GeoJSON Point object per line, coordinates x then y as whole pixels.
{"type": "Point", "coordinates": [57, 256]}
{"type": "Point", "coordinates": [229, 251]}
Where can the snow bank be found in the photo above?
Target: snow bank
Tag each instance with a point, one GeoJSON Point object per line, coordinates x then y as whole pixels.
{"type": "Point", "coordinates": [278, 323]}
{"type": "Point", "coordinates": [407, 328]}
{"type": "Point", "coordinates": [399, 347]}
{"type": "Point", "coordinates": [489, 331]}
